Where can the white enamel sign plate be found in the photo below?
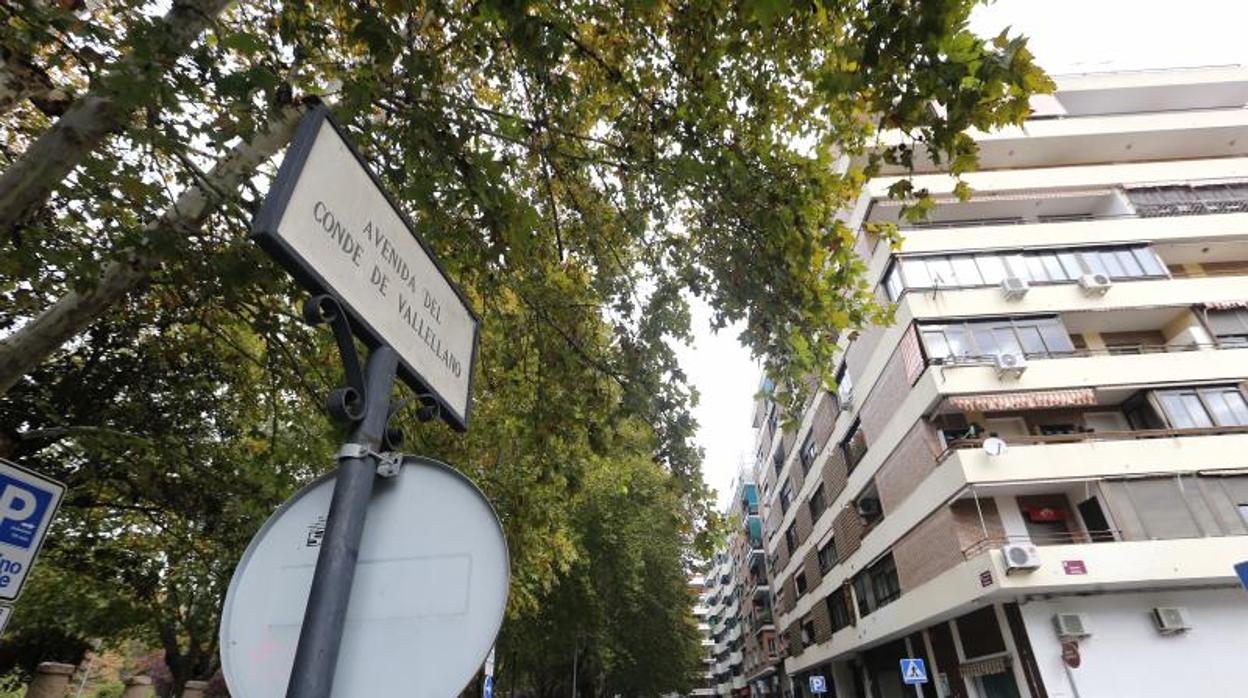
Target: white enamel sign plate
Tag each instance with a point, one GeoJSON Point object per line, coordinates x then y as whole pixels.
{"type": "Point", "coordinates": [28, 502]}
{"type": "Point", "coordinates": [428, 598]}
{"type": "Point", "coordinates": [328, 220]}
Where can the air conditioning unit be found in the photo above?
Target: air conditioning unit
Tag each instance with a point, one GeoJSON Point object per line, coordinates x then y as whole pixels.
{"type": "Point", "coordinates": [1020, 557]}
{"type": "Point", "coordinates": [1014, 287]}
{"type": "Point", "coordinates": [1009, 365]}
{"type": "Point", "coordinates": [1071, 625]}
{"type": "Point", "coordinates": [868, 507]}
{"type": "Point", "coordinates": [1095, 284]}
{"type": "Point", "coordinates": [1171, 619]}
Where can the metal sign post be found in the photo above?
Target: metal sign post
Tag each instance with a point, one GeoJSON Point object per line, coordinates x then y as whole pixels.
{"type": "Point", "coordinates": [329, 221]}
{"type": "Point", "coordinates": [316, 658]}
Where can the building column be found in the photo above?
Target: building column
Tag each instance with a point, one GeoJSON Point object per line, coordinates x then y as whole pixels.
{"type": "Point", "coordinates": [51, 680]}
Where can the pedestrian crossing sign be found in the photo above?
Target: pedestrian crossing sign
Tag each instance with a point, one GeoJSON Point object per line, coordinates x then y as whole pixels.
{"type": "Point", "coordinates": [913, 671]}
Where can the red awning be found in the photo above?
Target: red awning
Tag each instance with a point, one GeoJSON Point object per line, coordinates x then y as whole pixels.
{"type": "Point", "coordinates": [1038, 400]}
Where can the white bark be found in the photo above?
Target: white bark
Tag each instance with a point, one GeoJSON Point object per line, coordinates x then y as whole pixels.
{"type": "Point", "coordinates": [26, 184]}
{"type": "Point", "coordinates": [72, 313]}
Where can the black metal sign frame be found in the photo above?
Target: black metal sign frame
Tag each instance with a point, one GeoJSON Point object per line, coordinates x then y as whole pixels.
{"type": "Point", "coordinates": [264, 232]}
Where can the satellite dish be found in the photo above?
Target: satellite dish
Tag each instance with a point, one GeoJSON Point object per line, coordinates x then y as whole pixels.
{"type": "Point", "coordinates": [428, 599]}
{"type": "Point", "coordinates": [995, 446]}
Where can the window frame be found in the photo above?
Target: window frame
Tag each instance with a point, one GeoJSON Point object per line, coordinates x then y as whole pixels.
{"type": "Point", "coordinates": [1050, 265]}
{"type": "Point", "coordinates": [821, 497]}
{"type": "Point", "coordinates": [808, 452]}
{"type": "Point", "coordinates": [826, 564]}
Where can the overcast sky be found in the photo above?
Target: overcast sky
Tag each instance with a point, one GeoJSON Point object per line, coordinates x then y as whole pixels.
{"type": "Point", "coordinates": [1067, 36]}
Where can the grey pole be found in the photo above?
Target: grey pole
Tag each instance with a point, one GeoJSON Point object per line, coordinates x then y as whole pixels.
{"type": "Point", "coordinates": [316, 657]}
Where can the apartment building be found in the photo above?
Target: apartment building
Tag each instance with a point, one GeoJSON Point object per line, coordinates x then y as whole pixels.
{"type": "Point", "coordinates": [742, 626]}
{"type": "Point", "coordinates": [705, 685]}
{"type": "Point", "coordinates": [1036, 479]}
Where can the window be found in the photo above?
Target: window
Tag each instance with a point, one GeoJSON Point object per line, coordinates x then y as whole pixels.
{"type": "Point", "coordinates": [1179, 200]}
{"type": "Point", "coordinates": [777, 459]}
{"type": "Point", "coordinates": [1035, 266]}
{"type": "Point", "coordinates": [808, 633]}
{"type": "Point", "coordinates": [854, 445]}
{"type": "Point", "coordinates": [808, 451]}
{"type": "Point", "coordinates": [1243, 513]}
{"type": "Point", "coordinates": [844, 388]}
{"type": "Point", "coordinates": [1037, 337]}
{"type": "Point", "coordinates": [1194, 408]}
{"type": "Point", "coordinates": [868, 504]}
{"type": "Point", "coordinates": [818, 504]}
{"type": "Point", "coordinates": [827, 556]}
{"type": "Point", "coordinates": [877, 586]}
{"type": "Point", "coordinates": [786, 496]}
{"type": "Point", "coordinates": [790, 537]}
{"type": "Point", "coordinates": [1229, 326]}
{"type": "Point", "coordinates": [800, 582]}
{"type": "Point", "coordinates": [838, 610]}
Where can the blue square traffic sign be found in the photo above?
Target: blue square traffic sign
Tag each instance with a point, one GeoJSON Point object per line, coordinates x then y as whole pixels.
{"type": "Point", "coordinates": [1242, 570]}
{"type": "Point", "coordinates": [818, 684]}
{"type": "Point", "coordinates": [28, 502]}
{"type": "Point", "coordinates": [23, 506]}
{"type": "Point", "coordinates": [913, 671]}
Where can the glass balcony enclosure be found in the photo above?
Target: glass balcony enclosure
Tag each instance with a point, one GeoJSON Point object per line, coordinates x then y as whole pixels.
{"type": "Point", "coordinates": [989, 269]}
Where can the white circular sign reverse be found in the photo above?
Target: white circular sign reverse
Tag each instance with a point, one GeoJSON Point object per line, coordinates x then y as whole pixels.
{"type": "Point", "coordinates": [428, 598]}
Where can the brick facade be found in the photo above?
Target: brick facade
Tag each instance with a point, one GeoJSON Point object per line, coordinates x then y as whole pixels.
{"type": "Point", "coordinates": [927, 550]}
{"type": "Point", "coordinates": [886, 396]}
{"type": "Point", "coordinates": [907, 466]}
{"type": "Point", "coordinates": [848, 529]}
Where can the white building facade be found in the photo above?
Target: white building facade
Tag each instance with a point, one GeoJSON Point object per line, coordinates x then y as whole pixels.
{"type": "Point", "coordinates": [1036, 479]}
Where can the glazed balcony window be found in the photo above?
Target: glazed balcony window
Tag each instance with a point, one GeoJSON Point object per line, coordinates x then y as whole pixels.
{"type": "Point", "coordinates": [1033, 337]}
{"type": "Point", "coordinates": [1037, 267]}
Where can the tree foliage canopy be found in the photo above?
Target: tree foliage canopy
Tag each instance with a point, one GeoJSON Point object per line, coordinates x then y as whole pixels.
{"type": "Point", "coordinates": [581, 168]}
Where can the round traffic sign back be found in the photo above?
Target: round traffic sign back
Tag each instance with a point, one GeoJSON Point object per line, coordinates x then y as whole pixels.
{"type": "Point", "coordinates": [428, 598]}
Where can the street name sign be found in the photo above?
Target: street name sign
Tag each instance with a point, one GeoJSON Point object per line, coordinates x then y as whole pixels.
{"type": "Point", "coordinates": [28, 501]}
{"type": "Point", "coordinates": [428, 599]}
{"type": "Point", "coordinates": [329, 221]}
{"type": "Point", "coordinates": [913, 671]}
{"type": "Point", "coordinates": [818, 684]}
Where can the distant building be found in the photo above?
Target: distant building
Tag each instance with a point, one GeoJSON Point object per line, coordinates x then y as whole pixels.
{"type": "Point", "coordinates": [742, 626]}
{"type": "Point", "coordinates": [706, 677]}
{"type": "Point", "coordinates": [1036, 479]}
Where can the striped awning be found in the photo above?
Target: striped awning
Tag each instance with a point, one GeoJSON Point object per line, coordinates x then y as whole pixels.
{"type": "Point", "coordinates": [985, 197]}
{"type": "Point", "coordinates": [1038, 400]}
{"type": "Point", "coordinates": [985, 667]}
{"type": "Point", "coordinates": [1226, 305]}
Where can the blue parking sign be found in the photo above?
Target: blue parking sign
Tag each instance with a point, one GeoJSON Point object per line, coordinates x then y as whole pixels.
{"type": "Point", "coordinates": [913, 671]}
{"type": "Point", "coordinates": [28, 501]}
{"type": "Point", "coordinates": [488, 690]}
{"type": "Point", "coordinates": [818, 684]}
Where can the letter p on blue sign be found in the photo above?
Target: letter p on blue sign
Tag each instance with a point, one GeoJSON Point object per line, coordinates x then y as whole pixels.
{"type": "Point", "coordinates": [28, 501]}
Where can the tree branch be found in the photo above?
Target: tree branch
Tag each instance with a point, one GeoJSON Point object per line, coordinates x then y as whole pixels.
{"type": "Point", "coordinates": [73, 312]}
{"type": "Point", "coordinates": [26, 185]}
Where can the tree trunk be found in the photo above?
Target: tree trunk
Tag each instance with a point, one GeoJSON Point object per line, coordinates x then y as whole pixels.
{"type": "Point", "coordinates": [73, 312]}
{"type": "Point", "coordinates": [25, 186]}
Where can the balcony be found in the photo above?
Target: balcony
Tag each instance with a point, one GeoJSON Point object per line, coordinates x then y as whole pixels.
{"type": "Point", "coordinates": [1093, 368]}
{"type": "Point", "coordinates": [1103, 567]}
{"type": "Point", "coordinates": [1103, 139]}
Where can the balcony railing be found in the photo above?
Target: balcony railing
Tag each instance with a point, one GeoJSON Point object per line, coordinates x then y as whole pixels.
{"type": "Point", "coordinates": [1084, 436]}
{"type": "Point", "coordinates": [1042, 539]}
{"type": "Point", "coordinates": [959, 361]}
